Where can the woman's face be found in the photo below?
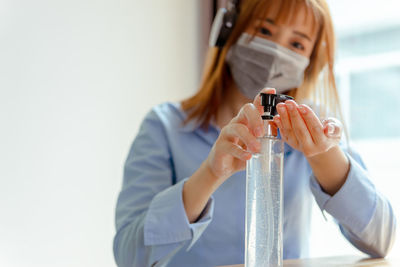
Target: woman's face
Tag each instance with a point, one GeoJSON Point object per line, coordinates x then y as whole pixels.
{"type": "Point", "coordinates": [299, 35]}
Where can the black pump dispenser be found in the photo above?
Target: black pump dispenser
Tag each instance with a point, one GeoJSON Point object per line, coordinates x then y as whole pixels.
{"type": "Point", "coordinates": [269, 102]}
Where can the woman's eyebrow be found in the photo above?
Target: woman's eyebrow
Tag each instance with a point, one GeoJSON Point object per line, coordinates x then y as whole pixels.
{"type": "Point", "coordinates": [270, 21]}
{"type": "Point", "coordinates": [302, 35]}
{"type": "Point", "coordinates": [305, 36]}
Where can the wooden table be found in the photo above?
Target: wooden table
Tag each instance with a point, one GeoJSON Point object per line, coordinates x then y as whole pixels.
{"type": "Point", "coordinates": [342, 261]}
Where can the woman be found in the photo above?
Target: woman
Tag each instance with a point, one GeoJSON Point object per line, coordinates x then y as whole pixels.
{"type": "Point", "coordinates": [183, 196]}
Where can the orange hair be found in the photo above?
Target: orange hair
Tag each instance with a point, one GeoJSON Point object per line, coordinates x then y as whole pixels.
{"type": "Point", "coordinates": [319, 82]}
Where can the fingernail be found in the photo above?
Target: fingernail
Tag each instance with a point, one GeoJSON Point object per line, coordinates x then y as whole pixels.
{"type": "Point", "coordinates": [281, 107]}
{"type": "Point", "coordinates": [258, 131]}
{"type": "Point", "coordinates": [246, 155]}
{"type": "Point", "coordinates": [302, 109]}
{"type": "Point", "coordinates": [256, 145]}
{"type": "Point", "coordinates": [290, 106]}
{"type": "Point", "coordinates": [331, 129]}
{"type": "Point", "coordinates": [267, 89]}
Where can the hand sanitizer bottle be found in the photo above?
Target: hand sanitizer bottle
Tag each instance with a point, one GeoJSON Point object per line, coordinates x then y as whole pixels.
{"type": "Point", "coordinates": [264, 193]}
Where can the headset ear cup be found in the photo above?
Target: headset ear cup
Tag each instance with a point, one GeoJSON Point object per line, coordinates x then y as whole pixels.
{"type": "Point", "coordinates": [223, 25]}
{"type": "Point", "coordinates": [217, 27]}
{"type": "Point", "coordinates": [227, 27]}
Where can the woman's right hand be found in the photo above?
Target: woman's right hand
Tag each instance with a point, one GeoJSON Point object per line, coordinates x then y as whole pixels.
{"type": "Point", "coordinates": [237, 140]}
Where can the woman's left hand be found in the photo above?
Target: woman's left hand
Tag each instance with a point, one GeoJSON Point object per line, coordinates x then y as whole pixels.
{"type": "Point", "coordinates": [301, 129]}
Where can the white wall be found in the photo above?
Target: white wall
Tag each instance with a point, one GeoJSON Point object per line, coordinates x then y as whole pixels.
{"type": "Point", "coordinates": [76, 78]}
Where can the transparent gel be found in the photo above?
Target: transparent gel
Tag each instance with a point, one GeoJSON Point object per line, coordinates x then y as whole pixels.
{"type": "Point", "coordinates": [264, 204]}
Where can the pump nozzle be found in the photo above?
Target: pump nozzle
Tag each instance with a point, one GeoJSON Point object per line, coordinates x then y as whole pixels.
{"type": "Point", "coordinates": [269, 102]}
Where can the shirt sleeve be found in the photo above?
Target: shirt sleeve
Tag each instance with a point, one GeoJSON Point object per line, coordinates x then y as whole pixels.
{"type": "Point", "coordinates": [364, 216]}
{"type": "Point", "coordinates": [151, 222]}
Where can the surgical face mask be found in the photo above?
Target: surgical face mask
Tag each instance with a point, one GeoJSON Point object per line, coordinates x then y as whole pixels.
{"type": "Point", "coordinates": [261, 63]}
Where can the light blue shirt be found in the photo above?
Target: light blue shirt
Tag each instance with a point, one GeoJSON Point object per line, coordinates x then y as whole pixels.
{"type": "Point", "coordinates": [152, 225]}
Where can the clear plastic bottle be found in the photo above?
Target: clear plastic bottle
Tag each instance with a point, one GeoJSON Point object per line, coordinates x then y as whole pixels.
{"type": "Point", "coordinates": [264, 200]}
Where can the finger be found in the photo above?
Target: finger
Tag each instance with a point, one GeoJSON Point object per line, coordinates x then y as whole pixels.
{"type": "Point", "coordinates": [285, 123]}
{"type": "Point", "coordinates": [249, 116]}
{"type": "Point", "coordinates": [235, 150]}
{"type": "Point", "coordinates": [238, 130]}
{"type": "Point", "coordinates": [332, 128]}
{"type": "Point", "coordinates": [299, 127]}
{"type": "Point", "coordinates": [278, 122]}
{"type": "Point", "coordinates": [329, 130]}
{"type": "Point", "coordinates": [313, 123]}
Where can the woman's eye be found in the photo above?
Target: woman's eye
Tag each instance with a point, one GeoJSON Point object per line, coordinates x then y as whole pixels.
{"type": "Point", "coordinates": [265, 31]}
{"type": "Point", "coordinates": [298, 45]}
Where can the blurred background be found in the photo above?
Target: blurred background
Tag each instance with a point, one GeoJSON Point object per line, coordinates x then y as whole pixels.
{"type": "Point", "coordinates": [77, 77]}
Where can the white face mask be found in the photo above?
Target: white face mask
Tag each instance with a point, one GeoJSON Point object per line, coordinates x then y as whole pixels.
{"type": "Point", "coordinates": [262, 63]}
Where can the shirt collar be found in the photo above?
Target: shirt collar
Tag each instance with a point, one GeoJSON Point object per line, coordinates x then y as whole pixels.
{"type": "Point", "coordinates": [190, 126]}
{"type": "Point", "coordinates": [195, 125]}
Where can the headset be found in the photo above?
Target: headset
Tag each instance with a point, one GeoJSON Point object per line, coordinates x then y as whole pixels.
{"type": "Point", "coordinates": [223, 24]}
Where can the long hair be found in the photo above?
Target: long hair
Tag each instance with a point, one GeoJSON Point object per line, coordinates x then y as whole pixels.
{"type": "Point", "coordinates": [319, 82]}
